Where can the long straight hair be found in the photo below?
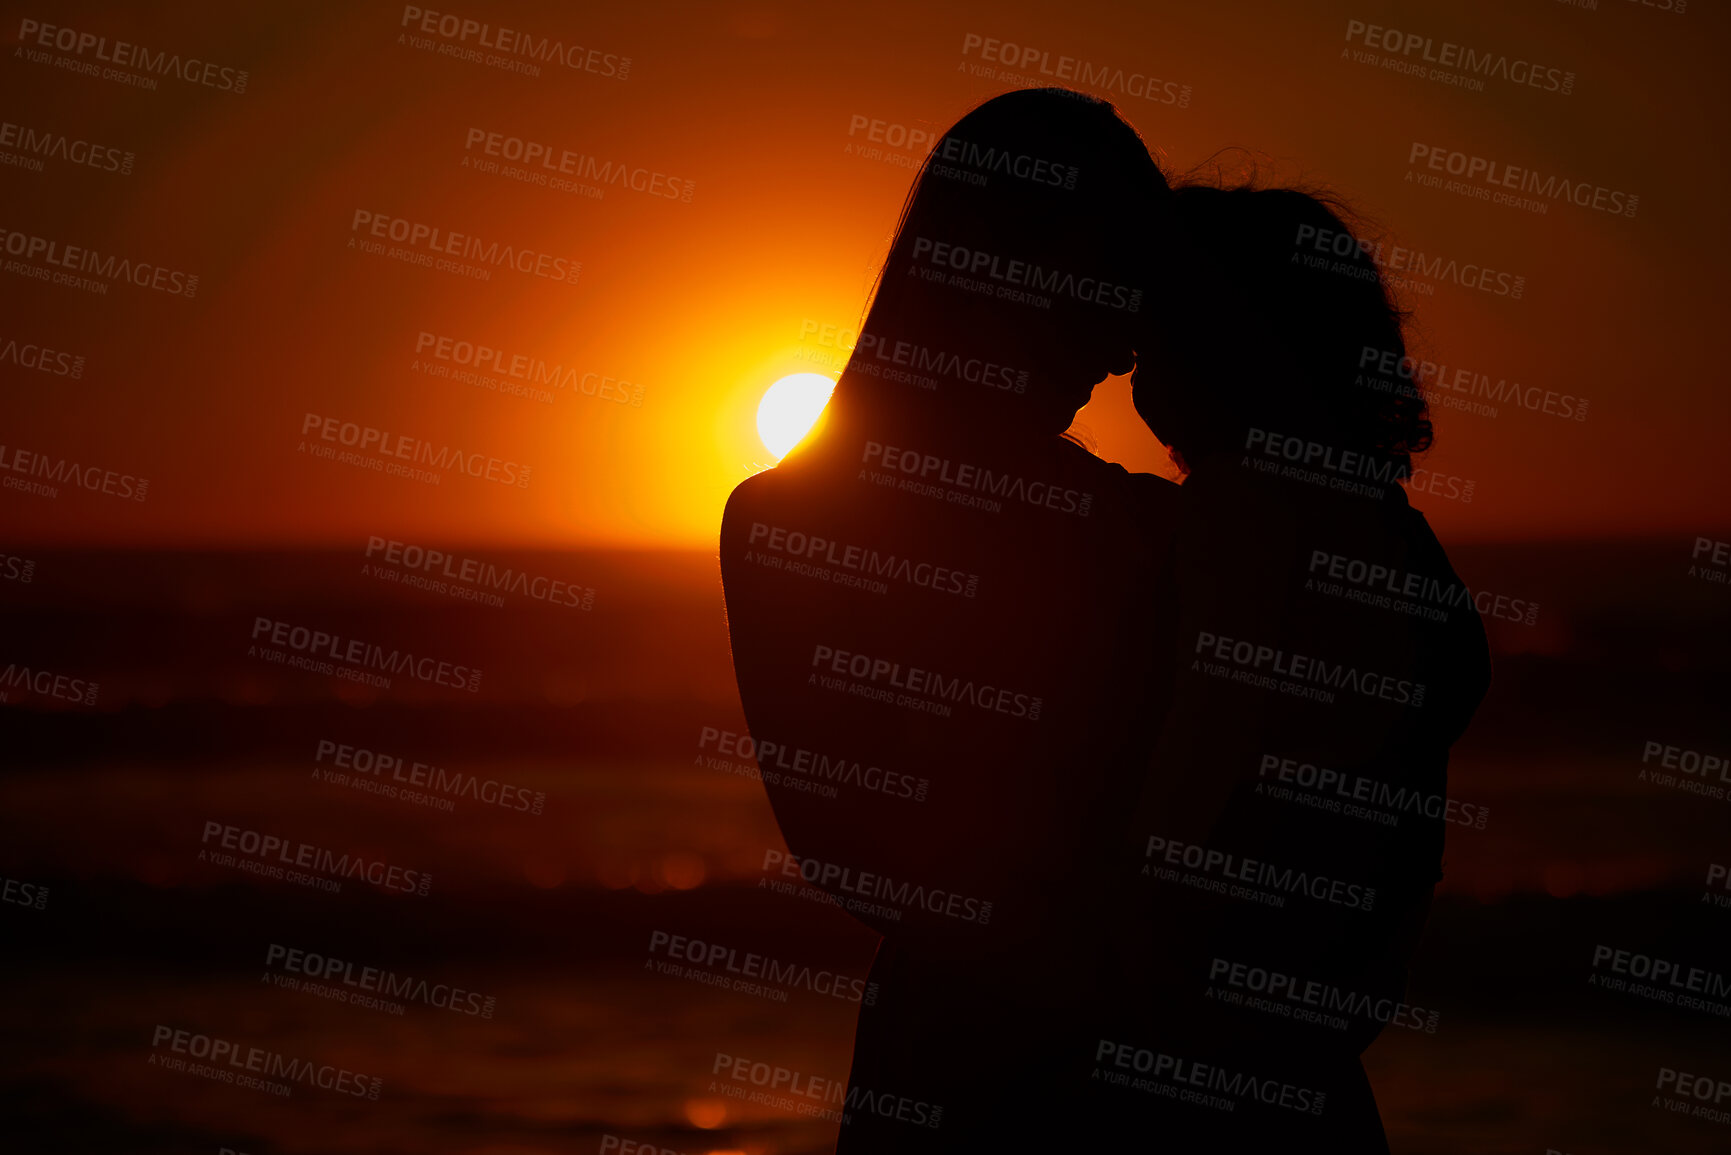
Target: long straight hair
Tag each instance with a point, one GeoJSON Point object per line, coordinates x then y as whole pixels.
{"type": "Point", "coordinates": [1045, 178]}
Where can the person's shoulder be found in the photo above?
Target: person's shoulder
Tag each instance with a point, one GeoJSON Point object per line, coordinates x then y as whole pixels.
{"type": "Point", "coordinates": [757, 488]}
{"type": "Point", "coordinates": [785, 494]}
{"type": "Point", "coordinates": [1146, 486]}
{"type": "Point", "coordinates": [1074, 455]}
{"type": "Point", "coordinates": [1409, 523]}
{"type": "Point", "coordinates": [1146, 503]}
{"type": "Point", "coordinates": [753, 499]}
{"type": "Point", "coordinates": [1462, 641]}
{"type": "Point", "coordinates": [1151, 489]}
{"type": "Point", "coordinates": [1216, 489]}
{"type": "Point", "coordinates": [1154, 503]}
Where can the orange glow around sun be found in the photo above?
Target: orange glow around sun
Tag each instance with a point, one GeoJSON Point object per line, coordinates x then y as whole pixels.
{"type": "Point", "coordinates": [789, 409]}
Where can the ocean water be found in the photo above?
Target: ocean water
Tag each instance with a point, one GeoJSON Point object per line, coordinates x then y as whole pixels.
{"type": "Point", "coordinates": [579, 821]}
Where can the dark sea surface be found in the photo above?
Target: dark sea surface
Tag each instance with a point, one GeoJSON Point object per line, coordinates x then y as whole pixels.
{"type": "Point", "coordinates": [551, 915]}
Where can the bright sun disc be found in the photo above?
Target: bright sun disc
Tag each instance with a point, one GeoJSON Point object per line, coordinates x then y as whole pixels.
{"type": "Point", "coordinates": [789, 408]}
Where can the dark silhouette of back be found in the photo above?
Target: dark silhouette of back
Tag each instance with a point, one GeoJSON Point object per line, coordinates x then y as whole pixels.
{"type": "Point", "coordinates": [1326, 657]}
{"type": "Point", "coordinates": [942, 609]}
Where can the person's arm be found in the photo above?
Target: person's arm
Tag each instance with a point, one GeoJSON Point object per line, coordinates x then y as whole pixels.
{"type": "Point", "coordinates": [770, 629]}
{"type": "Point", "coordinates": [883, 854]}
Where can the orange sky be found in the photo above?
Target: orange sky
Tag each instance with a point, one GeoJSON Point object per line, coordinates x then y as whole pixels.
{"type": "Point", "coordinates": [696, 307]}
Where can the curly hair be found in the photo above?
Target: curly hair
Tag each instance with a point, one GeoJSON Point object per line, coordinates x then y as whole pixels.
{"type": "Point", "coordinates": [1275, 314]}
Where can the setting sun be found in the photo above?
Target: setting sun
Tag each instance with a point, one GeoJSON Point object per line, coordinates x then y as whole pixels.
{"type": "Point", "coordinates": [789, 408]}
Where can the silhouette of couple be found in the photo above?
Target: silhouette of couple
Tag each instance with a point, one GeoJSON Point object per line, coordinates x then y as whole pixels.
{"type": "Point", "coordinates": [1142, 784]}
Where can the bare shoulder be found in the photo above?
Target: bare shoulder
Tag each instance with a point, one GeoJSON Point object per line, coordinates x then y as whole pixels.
{"type": "Point", "coordinates": [1153, 490]}
{"type": "Point", "coordinates": [1155, 504]}
{"type": "Point", "coordinates": [751, 500]}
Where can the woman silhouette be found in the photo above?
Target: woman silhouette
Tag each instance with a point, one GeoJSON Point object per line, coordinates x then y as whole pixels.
{"type": "Point", "coordinates": [939, 617]}
{"type": "Point", "coordinates": [1326, 658]}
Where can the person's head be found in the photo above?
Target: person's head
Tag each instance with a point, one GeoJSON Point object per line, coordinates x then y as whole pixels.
{"type": "Point", "coordinates": [1016, 275]}
{"type": "Point", "coordinates": [1274, 316]}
